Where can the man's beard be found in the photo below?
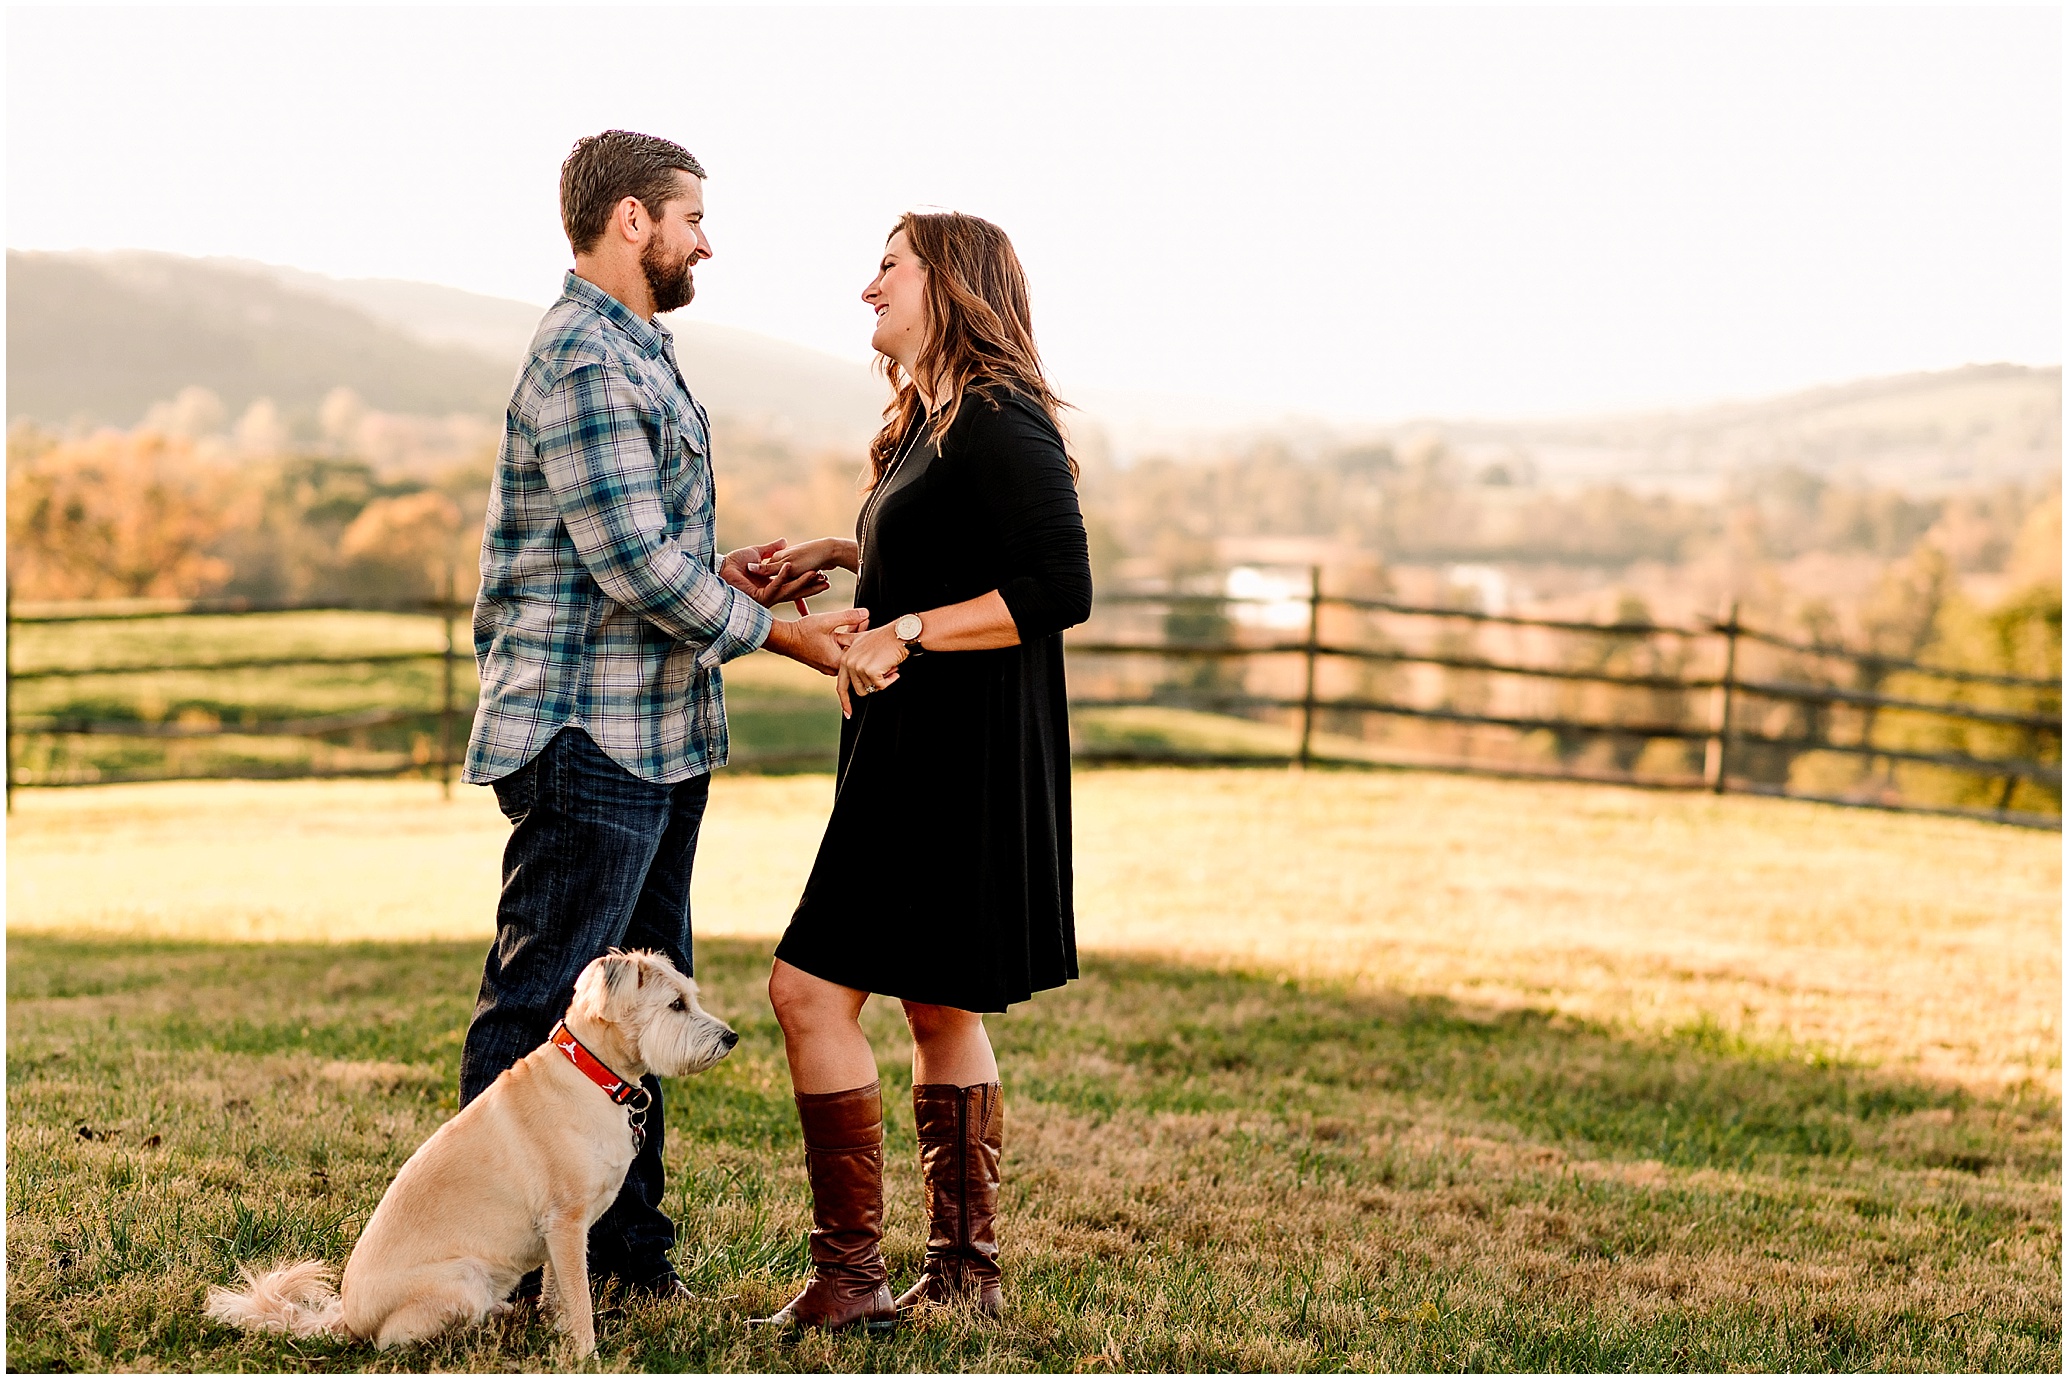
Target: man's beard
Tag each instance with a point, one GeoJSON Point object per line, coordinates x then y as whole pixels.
{"type": "Point", "coordinates": [669, 282]}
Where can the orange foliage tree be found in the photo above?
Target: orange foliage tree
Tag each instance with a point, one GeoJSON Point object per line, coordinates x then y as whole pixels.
{"type": "Point", "coordinates": [116, 515]}
{"type": "Point", "coordinates": [405, 547]}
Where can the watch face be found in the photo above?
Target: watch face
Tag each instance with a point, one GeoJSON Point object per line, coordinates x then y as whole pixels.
{"type": "Point", "coordinates": [907, 627]}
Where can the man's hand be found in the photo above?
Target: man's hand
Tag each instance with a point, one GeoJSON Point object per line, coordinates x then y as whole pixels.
{"type": "Point", "coordinates": [767, 582]}
{"type": "Point", "coordinates": [818, 641]}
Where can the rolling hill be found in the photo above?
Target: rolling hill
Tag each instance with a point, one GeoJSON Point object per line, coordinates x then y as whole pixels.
{"type": "Point", "coordinates": [1926, 432]}
{"type": "Point", "coordinates": [99, 337]}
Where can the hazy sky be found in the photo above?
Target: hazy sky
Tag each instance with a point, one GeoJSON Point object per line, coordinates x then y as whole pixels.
{"type": "Point", "coordinates": [1364, 211]}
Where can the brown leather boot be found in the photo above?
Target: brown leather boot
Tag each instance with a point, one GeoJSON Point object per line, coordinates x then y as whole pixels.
{"type": "Point", "coordinates": [961, 1132]}
{"type": "Point", "coordinates": [843, 1149]}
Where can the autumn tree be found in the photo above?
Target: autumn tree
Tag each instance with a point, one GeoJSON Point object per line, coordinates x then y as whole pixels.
{"type": "Point", "coordinates": [115, 515]}
{"type": "Point", "coordinates": [404, 547]}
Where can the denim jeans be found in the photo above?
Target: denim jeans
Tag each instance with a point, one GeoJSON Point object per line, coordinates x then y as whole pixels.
{"type": "Point", "coordinates": [598, 859]}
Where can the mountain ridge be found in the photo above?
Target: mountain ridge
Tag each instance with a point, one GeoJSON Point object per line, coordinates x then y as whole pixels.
{"type": "Point", "coordinates": [99, 337]}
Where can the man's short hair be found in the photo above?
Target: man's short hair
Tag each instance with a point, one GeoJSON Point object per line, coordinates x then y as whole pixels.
{"type": "Point", "coordinates": [606, 168]}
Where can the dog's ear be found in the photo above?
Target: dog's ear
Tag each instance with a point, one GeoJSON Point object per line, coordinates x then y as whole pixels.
{"type": "Point", "coordinates": [599, 984]}
{"type": "Point", "coordinates": [621, 969]}
{"type": "Point", "coordinates": [619, 965]}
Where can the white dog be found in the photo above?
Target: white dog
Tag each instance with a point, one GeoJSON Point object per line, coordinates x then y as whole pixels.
{"type": "Point", "coordinates": [511, 1183]}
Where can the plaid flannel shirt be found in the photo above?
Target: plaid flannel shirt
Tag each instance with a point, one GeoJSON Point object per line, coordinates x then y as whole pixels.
{"type": "Point", "coordinates": [600, 603]}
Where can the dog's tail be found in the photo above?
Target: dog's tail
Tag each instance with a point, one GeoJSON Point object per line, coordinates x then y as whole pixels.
{"type": "Point", "coordinates": [296, 1299]}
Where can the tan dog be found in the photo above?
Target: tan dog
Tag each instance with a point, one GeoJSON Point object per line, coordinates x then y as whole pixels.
{"type": "Point", "coordinates": [511, 1183]}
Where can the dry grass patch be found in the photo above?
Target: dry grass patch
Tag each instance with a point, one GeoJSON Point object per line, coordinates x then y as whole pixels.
{"type": "Point", "coordinates": [1204, 1171]}
{"type": "Point", "coordinates": [1932, 946]}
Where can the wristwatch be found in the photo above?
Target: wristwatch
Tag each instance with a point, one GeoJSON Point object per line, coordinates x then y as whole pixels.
{"type": "Point", "coordinates": [908, 630]}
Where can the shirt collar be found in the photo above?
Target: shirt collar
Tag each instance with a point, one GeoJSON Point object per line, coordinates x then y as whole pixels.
{"type": "Point", "coordinates": [650, 337]}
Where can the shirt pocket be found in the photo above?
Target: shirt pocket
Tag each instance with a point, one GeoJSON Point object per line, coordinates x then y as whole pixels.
{"type": "Point", "coordinates": [667, 456]}
{"type": "Point", "coordinates": [688, 485]}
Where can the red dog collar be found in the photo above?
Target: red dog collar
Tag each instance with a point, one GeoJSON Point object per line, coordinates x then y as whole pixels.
{"type": "Point", "coordinates": [594, 1069]}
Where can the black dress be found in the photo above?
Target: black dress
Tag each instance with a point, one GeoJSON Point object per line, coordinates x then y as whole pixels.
{"type": "Point", "coordinates": [944, 875]}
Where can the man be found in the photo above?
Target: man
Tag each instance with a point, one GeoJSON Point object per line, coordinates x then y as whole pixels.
{"type": "Point", "coordinates": [603, 617]}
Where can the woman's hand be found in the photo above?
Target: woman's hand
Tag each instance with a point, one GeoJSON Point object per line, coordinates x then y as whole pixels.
{"type": "Point", "coordinates": [870, 663]}
{"type": "Point", "coordinates": [823, 554]}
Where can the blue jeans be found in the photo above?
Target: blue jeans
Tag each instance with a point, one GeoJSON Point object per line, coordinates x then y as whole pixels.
{"type": "Point", "coordinates": [598, 859]}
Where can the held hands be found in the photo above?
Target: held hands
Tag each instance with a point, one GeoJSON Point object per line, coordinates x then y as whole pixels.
{"type": "Point", "coordinates": [826, 553]}
{"type": "Point", "coordinates": [865, 661]}
{"type": "Point", "coordinates": [768, 581]}
{"type": "Point", "coordinates": [820, 640]}
{"type": "Point", "coordinates": [871, 662]}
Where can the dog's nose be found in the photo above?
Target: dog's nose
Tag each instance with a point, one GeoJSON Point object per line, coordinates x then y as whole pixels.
{"type": "Point", "coordinates": [732, 1037]}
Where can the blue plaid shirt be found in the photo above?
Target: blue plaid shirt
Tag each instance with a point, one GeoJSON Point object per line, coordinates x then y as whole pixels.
{"type": "Point", "coordinates": [600, 604]}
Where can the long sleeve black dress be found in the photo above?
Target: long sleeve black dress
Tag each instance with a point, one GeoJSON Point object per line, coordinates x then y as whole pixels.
{"type": "Point", "coordinates": [944, 874]}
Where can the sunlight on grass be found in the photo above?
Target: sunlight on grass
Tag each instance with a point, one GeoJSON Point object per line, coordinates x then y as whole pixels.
{"type": "Point", "coordinates": [1932, 945]}
{"type": "Point", "coordinates": [1204, 1172]}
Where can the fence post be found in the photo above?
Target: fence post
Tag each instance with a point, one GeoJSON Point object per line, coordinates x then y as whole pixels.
{"type": "Point", "coordinates": [10, 699]}
{"type": "Point", "coordinates": [1715, 770]}
{"type": "Point", "coordinates": [1313, 650]}
{"type": "Point", "coordinates": [445, 702]}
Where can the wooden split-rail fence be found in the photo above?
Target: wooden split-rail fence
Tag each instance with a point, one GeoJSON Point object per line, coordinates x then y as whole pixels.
{"type": "Point", "coordinates": [1730, 729]}
{"type": "Point", "coordinates": [439, 755]}
{"type": "Point", "coordinates": [1316, 668]}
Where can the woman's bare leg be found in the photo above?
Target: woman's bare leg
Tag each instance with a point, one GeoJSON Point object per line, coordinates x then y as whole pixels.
{"type": "Point", "coordinates": [949, 1046]}
{"type": "Point", "coordinates": [822, 1031]}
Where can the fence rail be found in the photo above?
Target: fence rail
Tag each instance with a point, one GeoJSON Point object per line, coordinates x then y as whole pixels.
{"type": "Point", "coordinates": [444, 762]}
{"type": "Point", "coordinates": [130, 610]}
{"type": "Point", "coordinates": [259, 663]}
{"type": "Point", "coordinates": [1706, 629]}
{"type": "Point", "coordinates": [1728, 734]}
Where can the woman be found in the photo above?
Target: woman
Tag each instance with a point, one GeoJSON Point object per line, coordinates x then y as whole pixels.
{"type": "Point", "coordinates": [944, 876]}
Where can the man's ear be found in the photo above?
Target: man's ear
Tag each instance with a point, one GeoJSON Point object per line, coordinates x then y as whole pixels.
{"type": "Point", "coordinates": [631, 218]}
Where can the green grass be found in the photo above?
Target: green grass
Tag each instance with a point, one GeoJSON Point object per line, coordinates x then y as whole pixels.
{"type": "Point", "coordinates": [781, 716]}
{"type": "Point", "coordinates": [1204, 1171]}
{"type": "Point", "coordinates": [788, 719]}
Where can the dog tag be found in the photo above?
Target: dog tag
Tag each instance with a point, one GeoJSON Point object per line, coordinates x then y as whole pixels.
{"type": "Point", "coordinates": [637, 1103]}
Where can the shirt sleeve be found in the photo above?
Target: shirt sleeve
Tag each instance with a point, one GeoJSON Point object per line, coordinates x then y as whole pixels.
{"type": "Point", "coordinates": [1023, 483]}
{"type": "Point", "coordinates": [599, 465]}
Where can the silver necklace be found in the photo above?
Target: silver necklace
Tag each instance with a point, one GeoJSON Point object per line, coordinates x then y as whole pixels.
{"type": "Point", "coordinates": [876, 494]}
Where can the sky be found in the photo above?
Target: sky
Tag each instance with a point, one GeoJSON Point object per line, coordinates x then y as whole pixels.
{"type": "Point", "coordinates": [1356, 212]}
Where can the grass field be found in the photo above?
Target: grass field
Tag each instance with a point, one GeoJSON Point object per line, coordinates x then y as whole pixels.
{"type": "Point", "coordinates": [1392, 1072]}
{"type": "Point", "coordinates": [779, 711]}
{"type": "Point", "coordinates": [782, 715]}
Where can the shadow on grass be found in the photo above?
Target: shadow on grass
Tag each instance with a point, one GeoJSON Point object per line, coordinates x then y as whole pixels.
{"type": "Point", "coordinates": [1189, 1040]}
{"type": "Point", "coordinates": [1302, 1099]}
{"type": "Point", "coordinates": [1161, 1036]}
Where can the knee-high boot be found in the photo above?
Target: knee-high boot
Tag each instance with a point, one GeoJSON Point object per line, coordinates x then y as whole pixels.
{"type": "Point", "coordinates": [961, 1133]}
{"type": "Point", "coordinates": [843, 1149]}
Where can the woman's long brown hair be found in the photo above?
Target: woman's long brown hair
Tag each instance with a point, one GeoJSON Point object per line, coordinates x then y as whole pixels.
{"type": "Point", "coordinates": [980, 332]}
